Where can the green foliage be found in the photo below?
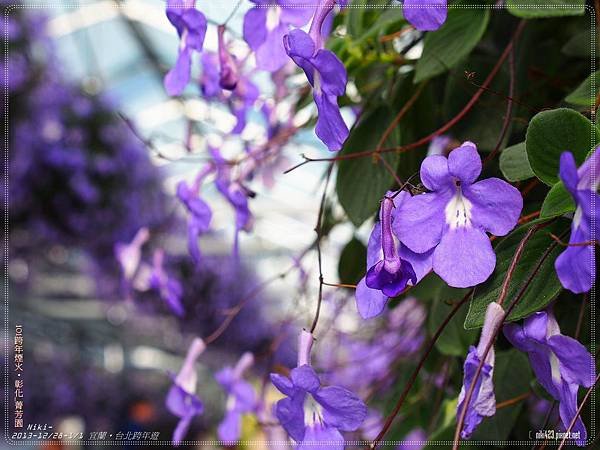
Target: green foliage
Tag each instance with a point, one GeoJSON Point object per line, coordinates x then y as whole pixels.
{"type": "Point", "coordinates": [352, 265]}
{"type": "Point", "coordinates": [557, 202]}
{"type": "Point", "coordinates": [550, 133]}
{"type": "Point", "coordinates": [541, 290]}
{"type": "Point", "coordinates": [514, 163]}
{"type": "Point", "coordinates": [536, 9]}
{"type": "Point", "coordinates": [583, 95]}
{"type": "Point", "coordinates": [454, 340]}
{"type": "Point", "coordinates": [444, 48]}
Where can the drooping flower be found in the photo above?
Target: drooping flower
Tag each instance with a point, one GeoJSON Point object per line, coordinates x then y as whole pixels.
{"type": "Point", "coordinates": [483, 401]}
{"type": "Point", "coordinates": [267, 23]}
{"type": "Point", "coordinates": [326, 74]}
{"type": "Point", "coordinates": [191, 28]}
{"type": "Point", "coordinates": [453, 219]}
{"type": "Point", "coordinates": [560, 363]}
{"type": "Point", "coordinates": [425, 15]}
{"type": "Point", "coordinates": [129, 255]}
{"type": "Point", "coordinates": [228, 74]}
{"type": "Point", "coordinates": [576, 266]}
{"type": "Point", "coordinates": [200, 213]}
{"type": "Point", "coordinates": [312, 414]}
{"type": "Point", "coordinates": [391, 266]}
{"type": "Point", "coordinates": [169, 288]}
{"type": "Point", "coordinates": [181, 399]}
{"type": "Point", "coordinates": [241, 398]}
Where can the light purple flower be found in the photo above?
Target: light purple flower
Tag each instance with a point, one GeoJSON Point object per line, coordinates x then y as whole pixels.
{"type": "Point", "coordinates": [576, 266]}
{"type": "Point", "coordinates": [228, 73]}
{"type": "Point", "coordinates": [391, 266]}
{"type": "Point", "coordinates": [129, 255]}
{"type": "Point", "coordinates": [241, 398]}
{"type": "Point", "coordinates": [425, 15]}
{"type": "Point", "coordinates": [414, 440]}
{"type": "Point", "coordinates": [200, 213]}
{"type": "Point", "coordinates": [560, 363]}
{"type": "Point", "coordinates": [169, 288]}
{"type": "Point", "coordinates": [267, 23]}
{"type": "Point", "coordinates": [483, 401]}
{"type": "Point", "coordinates": [439, 145]}
{"type": "Point", "coordinates": [452, 220]}
{"type": "Point", "coordinates": [326, 74]}
{"type": "Point", "coordinates": [191, 28]}
{"type": "Point", "coordinates": [313, 415]}
{"type": "Point", "coordinates": [181, 399]}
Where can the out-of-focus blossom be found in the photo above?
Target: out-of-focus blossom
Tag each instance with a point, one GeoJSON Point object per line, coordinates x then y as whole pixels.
{"type": "Point", "coordinates": [439, 145]}
{"type": "Point", "coordinates": [228, 72]}
{"type": "Point", "coordinates": [425, 15]}
{"type": "Point", "coordinates": [560, 363]}
{"type": "Point", "coordinates": [576, 266]}
{"type": "Point", "coordinates": [129, 255]}
{"type": "Point", "coordinates": [414, 440]}
{"type": "Point", "coordinates": [452, 220]}
{"type": "Point", "coordinates": [181, 399]}
{"type": "Point", "coordinates": [191, 28]}
{"type": "Point", "coordinates": [241, 398]}
{"type": "Point", "coordinates": [483, 401]}
{"type": "Point", "coordinates": [169, 288]}
{"type": "Point", "coordinates": [267, 23]}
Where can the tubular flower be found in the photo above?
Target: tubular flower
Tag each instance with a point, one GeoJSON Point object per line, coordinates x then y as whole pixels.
{"type": "Point", "coordinates": [576, 266]}
{"type": "Point", "coordinates": [228, 74]}
{"type": "Point", "coordinates": [560, 363]}
{"type": "Point", "coordinates": [483, 401]}
{"type": "Point", "coordinates": [313, 415]}
{"type": "Point", "coordinates": [169, 288]}
{"type": "Point", "coordinates": [452, 219]}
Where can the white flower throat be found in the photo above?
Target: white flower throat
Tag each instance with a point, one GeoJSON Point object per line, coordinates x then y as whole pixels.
{"type": "Point", "coordinates": [312, 411]}
{"type": "Point", "coordinates": [458, 210]}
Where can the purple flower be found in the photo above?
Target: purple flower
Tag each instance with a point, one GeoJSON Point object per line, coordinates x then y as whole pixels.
{"type": "Point", "coordinates": [576, 266]}
{"type": "Point", "coordinates": [169, 288]}
{"type": "Point", "coordinates": [314, 415]}
{"type": "Point", "coordinates": [414, 440]}
{"type": "Point", "coordinates": [200, 212]}
{"type": "Point", "coordinates": [191, 28]}
{"type": "Point", "coordinates": [267, 23]}
{"type": "Point", "coordinates": [483, 402]}
{"type": "Point", "coordinates": [425, 15]}
{"type": "Point", "coordinates": [326, 74]}
{"type": "Point", "coordinates": [228, 74]}
{"type": "Point", "coordinates": [391, 266]}
{"type": "Point", "coordinates": [560, 363]}
{"type": "Point", "coordinates": [129, 255]}
{"type": "Point", "coordinates": [452, 220]}
{"type": "Point", "coordinates": [240, 398]}
{"type": "Point", "coordinates": [181, 399]}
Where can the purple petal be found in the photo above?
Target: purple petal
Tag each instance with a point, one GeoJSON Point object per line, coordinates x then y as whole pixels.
{"type": "Point", "coordinates": [568, 172]}
{"type": "Point", "coordinates": [464, 257]}
{"type": "Point", "coordinates": [271, 55]}
{"type": "Point", "coordinates": [230, 428]}
{"type": "Point", "coordinates": [195, 22]}
{"type": "Point", "coordinates": [589, 172]}
{"type": "Point", "coordinates": [374, 252]}
{"type": "Point", "coordinates": [369, 302]}
{"type": "Point", "coordinates": [422, 263]}
{"type": "Point", "coordinates": [576, 363]}
{"type": "Point", "coordinates": [181, 403]}
{"type": "Point", "coordinates": [496, 205]}
{"type": "Point", "coordinates": [255, 27]}
{"type": "Point", "coordinates": [290, 414]}
{"type": "Point", "coordinates": [341, 408]}
{"type": "Point", "coordinates": [391, 283]}
{"type": "Point", "coordinates": [283, 384]}
{"type": "Point", "coordinates": [536, 327]}
{"type": "Point", "coordinates": [425, 15]}
{"type": "Point", "coordinates": [305, 378]}
{"type": "Point", "coordinates": [321, 437]}
{"type": "Point", "coordinates": [576, 266]}
{"type": "Point", "coordinates": [295, 12]}
{"type": "Point", "coordinates": [332, 73]}
{"type": "Point", "coordinates": [181, 430]}
{"type": "Point", "coordinates": [434, 173]}
{"type": "Point", "coordinates": [331, 128]}
{"type": "Point", "coordinates": [178, 77]}
{"type": "Point", "coordinates": [464, 163]}
{"type": "Point", "coordinates": [568, 409]}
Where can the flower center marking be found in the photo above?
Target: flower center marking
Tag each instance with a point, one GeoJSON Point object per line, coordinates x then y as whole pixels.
{"type": "Point", "coordinates": [458, 210]}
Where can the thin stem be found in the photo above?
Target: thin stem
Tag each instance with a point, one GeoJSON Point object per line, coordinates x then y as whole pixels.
{"type": "Point", "coordinates": [340, 285]}
{"type": "Point", "coordinates": [512, 401]}
{"type": "Point", "coordinates": [390, 418]}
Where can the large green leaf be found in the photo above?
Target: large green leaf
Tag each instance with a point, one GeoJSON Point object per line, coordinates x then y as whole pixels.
{"type": "Point", "coordinates": [557, 202]}
{"type": "Point", "coordinates": [454, 340]}
{"type": "Point", "coordinates": [362, 182]}
{"type": "Point", "coordinates": [444, 48]}
{"type": "Point", "coordinates": [512, 377]}
{"type": "Point", "coordinates": [353, 262]}
{"type": "Point", "coordinates": [583, 95]}
{"type": "Point", "coordinates": [535, 9]}
{"type": "Point", "coordinates": [543, 288]}
{"type": "Point", "coordinates": [550, 133]}
{"type": "Point", "coordinates": [514, 164]}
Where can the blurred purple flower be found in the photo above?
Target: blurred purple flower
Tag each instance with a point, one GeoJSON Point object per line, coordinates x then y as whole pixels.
{"type": "Point", "coordinates": [576, 266]}
{"type": "Point", "coordinates": [390, 265]}
{"type": "Point", "coordinates": [241, 398]}
{"type": "Point", "coordinates": [560, 363]}
{"type": "Point", "coordinates": [414, 440]}
{"type": "Point", "coordinates": [452, 220]}
{"type": "Point", "coordinates": [425, 15]}
{"type": "Point", "coordinates": [169, 288]}
{"type": "Point", "coordinates": [267, 23]}
{"type": "Point", "coordinates": [191, 28]}
{"type": "Point", "coordinates": [228, 72]}
{"type": "Point", "coordinates": [181, 399]}
{"type": "Point", "coordinates": [129, 255]}
{"type": "Point", "coordinates": [332, 409]}
{"type": "Point", "coordinates": [483, 402]}
{"type": "Point", "coordinates": [326, 74]}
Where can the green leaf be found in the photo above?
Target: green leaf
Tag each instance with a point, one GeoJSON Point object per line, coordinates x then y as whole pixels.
{"type": "Point", "coordinates": [557, 202]}
{"type": "Point", "coordinates": [352, 265]}
{"type": "Point", "coordinates": [444, 48]}
{"type": "Point", "coordinates": [580, 45]}
{"type": "Point", "coordinates": [362, 182]}
{"type": "Point", "coordinates": [543, 288]}
{"type": "Point", "coordinates": [445, 430]}
{"type": "Point", "coordinates": [454, 340]}
{"type": "Point", "coordinates": [550, 133]}
{"type": "Point", "coordinates": [514, 163]}
{"type": "Point", "coordinates": [582, 96]}
{"type": "Point", "coordinates": [512, 377]}
{"type": "Point", "coordinates": [536, 9]}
